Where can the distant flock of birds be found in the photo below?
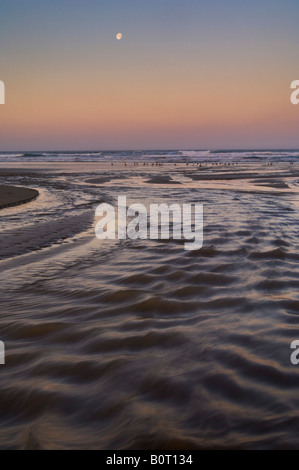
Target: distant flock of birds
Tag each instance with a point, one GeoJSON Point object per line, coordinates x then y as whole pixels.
{"type": "Point", "coordinates": [199, 165]}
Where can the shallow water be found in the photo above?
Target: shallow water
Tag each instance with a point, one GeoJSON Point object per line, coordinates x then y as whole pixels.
{"type": "Point", "coordinates": [141, 344]}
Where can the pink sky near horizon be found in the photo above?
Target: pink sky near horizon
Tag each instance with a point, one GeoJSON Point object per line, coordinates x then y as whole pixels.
{"type": "Point", "coordinates": [147, 92]}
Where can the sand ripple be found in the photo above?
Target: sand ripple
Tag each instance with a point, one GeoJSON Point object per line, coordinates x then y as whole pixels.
{"type": "Point", "coordinates": [144, 345]}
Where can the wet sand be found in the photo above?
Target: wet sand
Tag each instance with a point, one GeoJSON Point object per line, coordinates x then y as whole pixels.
{"type": "Point", "coordinates": [141, 344]}
{"type": "Point", "coordinates": [13, 196]}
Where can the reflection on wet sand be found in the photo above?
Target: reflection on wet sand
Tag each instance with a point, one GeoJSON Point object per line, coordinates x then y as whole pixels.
{"type": "Point", "coordinates": [140, 344]}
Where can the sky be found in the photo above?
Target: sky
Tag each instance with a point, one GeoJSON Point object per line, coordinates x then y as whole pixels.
{"type": "Point", "coordinates": [187, 74]}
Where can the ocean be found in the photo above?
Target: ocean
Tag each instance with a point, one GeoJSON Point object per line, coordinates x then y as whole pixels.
{"type": "Point", "coordinates": [170, 156]}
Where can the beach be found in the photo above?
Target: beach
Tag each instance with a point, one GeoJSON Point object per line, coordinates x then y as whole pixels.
{"type": "Point", "coordinates": [13, 196]}
{"type": "Point", "coordinates": [140, 344]}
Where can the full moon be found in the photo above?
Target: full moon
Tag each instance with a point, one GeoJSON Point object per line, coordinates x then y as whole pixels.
{"type": "Point", "coordinates": [119, 36]}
